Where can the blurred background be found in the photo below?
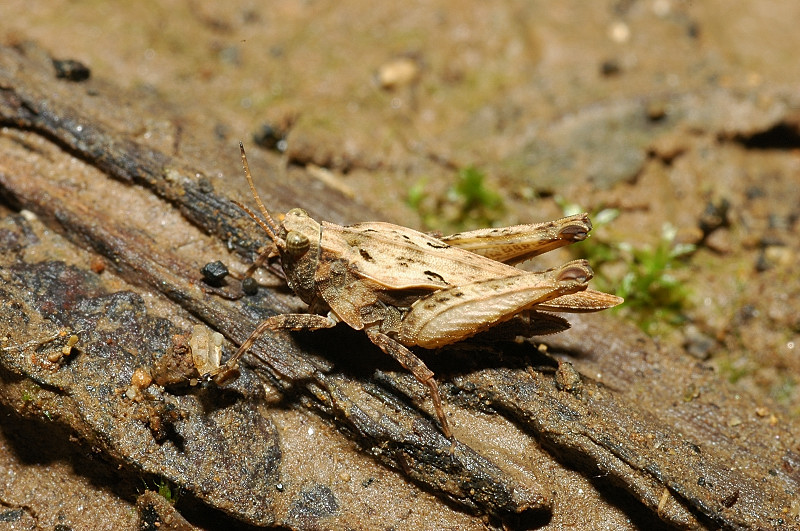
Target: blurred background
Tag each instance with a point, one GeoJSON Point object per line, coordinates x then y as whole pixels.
{"type": "Point", "coordinates": [675, 124]}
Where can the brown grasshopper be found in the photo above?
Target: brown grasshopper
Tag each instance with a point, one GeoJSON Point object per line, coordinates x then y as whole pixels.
{"type": "Point", "coordinates": [404, 288]}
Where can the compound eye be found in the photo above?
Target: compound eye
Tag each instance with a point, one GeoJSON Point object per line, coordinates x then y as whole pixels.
{"type": "Point", "coordinates": [297, 212]}
{"type": "Point", "coordinates": [296, 243]}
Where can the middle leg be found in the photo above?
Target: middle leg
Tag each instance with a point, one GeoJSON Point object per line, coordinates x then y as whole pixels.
{"type": "Point", "coordinates": [288, 321]}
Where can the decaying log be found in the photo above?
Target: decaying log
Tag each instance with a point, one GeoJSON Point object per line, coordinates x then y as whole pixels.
{"type": "Point", "coordinates": [661, 426]}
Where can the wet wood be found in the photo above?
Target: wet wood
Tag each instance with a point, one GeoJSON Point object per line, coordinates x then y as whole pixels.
{"type": "Point", "coordinates": [661, 426]}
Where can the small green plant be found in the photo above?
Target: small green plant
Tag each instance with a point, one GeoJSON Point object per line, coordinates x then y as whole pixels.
{"type": "Point", "coordinates": [650, 288]}
{"type": "Point", "coordinates": [474, 197]}
{"type": "Point", "coordinates": [653, 295]}
{"type": "Point", "coordinates": [416, 195]}
{"type": "Point", "coordinates": [29, 392]}
{"type": "Point", "coordinates": [734, 370]}
{"type": "Point", "coordinates": [468, 203]}
{"type": "Point", "coordinates": [785, 390]}
{"type": "Point", "coordinates": [166, 491]}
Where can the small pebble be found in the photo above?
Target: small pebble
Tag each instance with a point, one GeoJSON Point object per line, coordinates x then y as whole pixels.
{"type": "Point", "coordinates": [696, 343]}
{"type": "Point", "coordinates": [398, 72]}
{"type": "Point", "coordinates": [214, 273]}
{"type": "Point", "coordinates": [71, 70]}
{"type": "Point", "coordinates": [141, 378]}
{"type": "Point", "coordinates": [716, 215]}
{"type": "Point", "coordinates": [97, 264]}
{"type": "Point", "coordinates": [250, 286]}
{"type": "Point", "coordinates": [272, 137]}
{"type": "Point", "coordinates": [719, 241]}
{"type": "Point", "coordinates": [609, 67]}
{"type": "Point", "coordinates": [568, 379]}
{"type": "Point", "coordinates": [780, 256]}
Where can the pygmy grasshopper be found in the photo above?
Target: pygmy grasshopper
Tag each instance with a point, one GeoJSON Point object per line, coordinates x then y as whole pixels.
{"type": "Point", "coordinates": [404, 288]}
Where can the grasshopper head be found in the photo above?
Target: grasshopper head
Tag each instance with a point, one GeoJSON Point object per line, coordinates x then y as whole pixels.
{"type": "Point", "coordinates": [297, 240]}
{"type": "Point", "coordinates": [298, 245]}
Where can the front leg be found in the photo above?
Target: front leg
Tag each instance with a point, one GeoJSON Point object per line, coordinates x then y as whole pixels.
{"type": "Point", "coordinates": [415, 366]}
{"type": "Point", "coordinates": [287, 321]}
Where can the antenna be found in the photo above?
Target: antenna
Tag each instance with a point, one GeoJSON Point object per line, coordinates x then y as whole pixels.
{"type": "Point", "coordinates": [270, 226]}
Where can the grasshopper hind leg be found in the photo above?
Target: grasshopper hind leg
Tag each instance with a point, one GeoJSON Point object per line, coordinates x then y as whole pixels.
{"type": "Point", "coordinates": [417, 367]}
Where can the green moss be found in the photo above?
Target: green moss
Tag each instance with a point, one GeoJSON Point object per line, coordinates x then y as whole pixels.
{"type": "Point", "coordinates": [473, 194]}
{"type": "Point", "coordinates": [733, 370]}
{"type": "Point", "coordinates": [30, 392]}
{"type": "Point", "coordinates": [654, 296]}
{"type": "Point", "coordinates": [164, 489]}
{"type": "Point", "coordinates": [469, 202]}
{"type": "Point", "coordinates": [651, 289]}
{"type": "Point", "coordinates": [783, 392]}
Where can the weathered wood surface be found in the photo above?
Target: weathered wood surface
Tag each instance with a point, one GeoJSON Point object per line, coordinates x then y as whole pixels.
{"type": "Point", "coordinates": [661, 426]}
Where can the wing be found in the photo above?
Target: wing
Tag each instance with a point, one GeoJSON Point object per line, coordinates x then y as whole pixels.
{"type": "Point", "coordinates": [400, 258]}
{"type": "Point", "coordinates": [586, 301]}
{"type": "Point", "coordinates": [512, 245]}
{"type": "Point", "coordinates": [451, 315]}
